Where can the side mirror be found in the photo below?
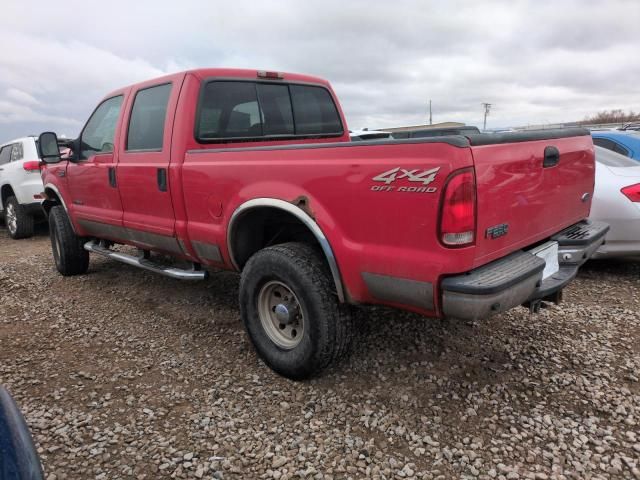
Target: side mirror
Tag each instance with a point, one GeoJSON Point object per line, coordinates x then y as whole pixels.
{"type": "Point", "coordinates": [48, 147]}
{"type": "Point", "coordinates": [18, 456]}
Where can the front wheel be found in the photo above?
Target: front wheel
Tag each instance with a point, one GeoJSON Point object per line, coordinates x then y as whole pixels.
{"type": "Point", "coordinates": [291, 311]}
{"type": "Point", "coordinates": [68, 250]}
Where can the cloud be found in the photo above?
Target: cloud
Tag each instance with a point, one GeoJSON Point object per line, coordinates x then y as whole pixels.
{"type": "Point", "coordinates": [535, 61]}
{"type": "Point", "coordinates": [22, 97]}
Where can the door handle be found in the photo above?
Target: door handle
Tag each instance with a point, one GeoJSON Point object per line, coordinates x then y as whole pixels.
{"type": "Point", "coordinates": [162, 179]}
{"type": "Point", "coordinates": [112, 177]}
{"type": "Point", "coordinates": [551, 157]}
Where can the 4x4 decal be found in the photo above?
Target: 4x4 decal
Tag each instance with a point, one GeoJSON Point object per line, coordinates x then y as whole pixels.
{"type": "Point", "coordinates": [415, 175]}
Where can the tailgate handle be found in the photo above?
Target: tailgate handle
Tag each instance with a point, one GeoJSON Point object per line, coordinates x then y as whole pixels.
{"type": "Point", "coordinates": [551, 157]}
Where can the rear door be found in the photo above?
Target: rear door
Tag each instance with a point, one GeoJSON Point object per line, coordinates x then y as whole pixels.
{"type": "Point", "coordinates": [529, 189]}
{"type": "Point", "coordinates": [143, 166]}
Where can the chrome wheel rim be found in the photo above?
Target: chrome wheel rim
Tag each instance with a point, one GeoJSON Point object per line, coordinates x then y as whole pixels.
{"type": "Point", "coordinates": [11, 218]}
{"type": "Point", "coordinates": [280, 314]}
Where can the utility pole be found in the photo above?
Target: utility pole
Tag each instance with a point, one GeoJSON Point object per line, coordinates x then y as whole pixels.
{"type": "Point", "coordinates": [430, 117]}
{"type": "Point", "coordinates": [487, 108]}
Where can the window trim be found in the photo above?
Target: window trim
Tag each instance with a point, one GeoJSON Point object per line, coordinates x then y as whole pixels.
{"type": "Point", "coordinates": [133, 104]}
{"type": "Point", "coordinates": [78, 159]}
{"type": "Point", "coordinates": [264, 138]}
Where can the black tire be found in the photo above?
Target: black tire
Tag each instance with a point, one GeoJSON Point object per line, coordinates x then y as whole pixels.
{"type": "Point", "coordinates": [18, 220]}
{"type": "Point", "coordinates": [69, 254]}
{"type": "Point", "coordinates": [327, 331]}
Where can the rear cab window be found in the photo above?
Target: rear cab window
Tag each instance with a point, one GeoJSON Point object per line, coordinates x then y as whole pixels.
{"type": "Point", "coordinates": [230, 110]}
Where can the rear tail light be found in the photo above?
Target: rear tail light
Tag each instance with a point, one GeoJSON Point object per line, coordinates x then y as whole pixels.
{"type": "Point", "coordinates": [31, 166]}
{"type": "Point", "coordinates": [632, 192]}
{"type": "Point", "coordinates": [458, 216]}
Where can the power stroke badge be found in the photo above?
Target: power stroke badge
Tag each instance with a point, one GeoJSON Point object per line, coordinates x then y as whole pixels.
{"type": "Point", "coordinates": [416, 175]}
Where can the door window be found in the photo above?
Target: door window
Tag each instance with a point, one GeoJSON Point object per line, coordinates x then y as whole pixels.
{"type": "Point", "coordinates": [5, 154]}
{"type": "Point", "coordinates": [146, 126]}
{"type": "Point", "coordinates": [98, 133]}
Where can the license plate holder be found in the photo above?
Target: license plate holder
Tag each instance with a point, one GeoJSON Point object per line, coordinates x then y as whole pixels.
{"type": "Point", "coordinates": [549, 253]}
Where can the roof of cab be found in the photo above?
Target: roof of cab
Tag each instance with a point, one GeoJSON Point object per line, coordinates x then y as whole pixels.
{"type": "Point", "coordinates": [204, 73]}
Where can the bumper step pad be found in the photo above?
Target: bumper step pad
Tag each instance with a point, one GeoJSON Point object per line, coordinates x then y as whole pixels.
{"type": "Point", "coordinates": [582, 233]}
{"type": "Point", "coordinates": [496, 276]}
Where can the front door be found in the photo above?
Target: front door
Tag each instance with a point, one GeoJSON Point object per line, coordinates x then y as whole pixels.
{"type": "Point", "coordinates": [92, 175]}
{"type": "Point", "coordinates": [143, 168]}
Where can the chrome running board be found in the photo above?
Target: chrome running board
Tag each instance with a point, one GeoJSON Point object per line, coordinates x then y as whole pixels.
{"type": "Point", "coordinates": [146, 264]}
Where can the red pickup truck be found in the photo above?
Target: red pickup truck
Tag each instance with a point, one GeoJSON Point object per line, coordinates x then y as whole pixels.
{"type": "Point", "coordinates": [254, 171]}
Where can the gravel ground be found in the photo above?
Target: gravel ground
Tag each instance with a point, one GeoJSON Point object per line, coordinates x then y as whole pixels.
{"type": "Point", "coordinates": [123, 374]}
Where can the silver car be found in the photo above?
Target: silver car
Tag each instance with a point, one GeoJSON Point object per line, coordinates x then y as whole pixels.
{"type": "Point", "coordinates": [616, 201]}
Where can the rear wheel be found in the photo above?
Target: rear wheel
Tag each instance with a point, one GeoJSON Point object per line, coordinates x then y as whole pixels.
{"type": "Point", "coordinates": [291, 311]}
{"type": "Point", "coordinates": [18, 220]}
{"type": "Point", "coordinates": [68, 250]}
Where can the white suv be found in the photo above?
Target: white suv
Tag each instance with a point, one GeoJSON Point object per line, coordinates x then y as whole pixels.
{"type": "Point", "coordinates": [20, 186]}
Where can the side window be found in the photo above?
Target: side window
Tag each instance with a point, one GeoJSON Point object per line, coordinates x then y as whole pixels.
{"type": "Point", "coordinates": [146, 125]}
{"type": "Point", "coordinates": [621, 150]}
{"type": "Point", "coordinates": [314, 111]}
{"type": "Point", "coordinates": [604, 143]}
{"type": "Point", "coordinates": [5, 154]}
{"type": "Point", "coordinates": [17, 152]}
{"type": "Point", "coordinates": [98, 133]}
{"type": "Point", "coordinates": [611, 145]}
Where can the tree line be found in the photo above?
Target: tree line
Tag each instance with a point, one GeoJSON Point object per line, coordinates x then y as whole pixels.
{"type": "Point", "coordinates": [612, 116]}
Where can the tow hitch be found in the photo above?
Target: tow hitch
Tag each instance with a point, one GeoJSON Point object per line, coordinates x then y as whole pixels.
{"type": "Point", "coordinates": [534, 306]}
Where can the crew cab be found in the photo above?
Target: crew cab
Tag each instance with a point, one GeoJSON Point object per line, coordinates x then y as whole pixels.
{"type": "Point", "coordinates": [20, 186]}
{"type": "Point", "coordinates": [254, 171]}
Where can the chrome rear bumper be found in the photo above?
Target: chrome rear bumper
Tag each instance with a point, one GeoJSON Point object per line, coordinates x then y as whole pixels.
{"type": "Point", "coordinates": [517, 278]}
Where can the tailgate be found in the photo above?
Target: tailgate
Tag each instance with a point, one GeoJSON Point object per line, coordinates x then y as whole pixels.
{"type": "Point", "coordinates": [520, 200]}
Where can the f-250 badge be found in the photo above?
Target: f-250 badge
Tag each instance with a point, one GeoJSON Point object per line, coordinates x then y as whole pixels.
{"type": "Point", "coordinates": [425, 177]}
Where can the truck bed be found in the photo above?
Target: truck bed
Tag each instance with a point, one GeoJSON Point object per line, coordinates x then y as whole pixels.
{"type": "Point", "coordinates": [389, 227]}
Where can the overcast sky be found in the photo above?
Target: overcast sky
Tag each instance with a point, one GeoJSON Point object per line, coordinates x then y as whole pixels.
{"type": "Point", "coordinates": [536, 61]}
